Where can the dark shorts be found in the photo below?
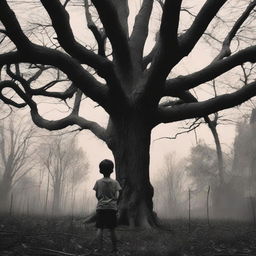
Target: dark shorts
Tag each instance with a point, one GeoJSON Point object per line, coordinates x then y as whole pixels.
{"type": "Point", "coordinates": [106, 218]}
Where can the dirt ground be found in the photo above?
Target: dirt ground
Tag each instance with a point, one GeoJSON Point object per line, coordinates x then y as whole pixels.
{"type": "Point", "coordinates": [27, 235]}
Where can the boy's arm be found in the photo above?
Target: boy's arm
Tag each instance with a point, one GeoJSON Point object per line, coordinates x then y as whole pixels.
{"type": "Point", "coordinates": [95, 188]}
{"type": "Point", "coordinates": [118, 188]}
{"type": "Point", "coordinates": [117, 194]}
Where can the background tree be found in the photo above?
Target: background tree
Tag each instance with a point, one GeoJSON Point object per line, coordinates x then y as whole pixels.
{"type": "Point", "coordinates": [169, 187]}
{"type": "Point", "coordinates": [67, 166]}
{"type": "Point", "coordinates": [17, 154]}
{"type": "Point", "coordinates": [244, 156]}
{"type": "Point", "coordinates": [76, 176]}
{"type": "Point", "coordinates": [25, 196]}
{"type": "Point", "coordinates": [129, 84]}
{"type": "Point", "coordinates": [202, 167]}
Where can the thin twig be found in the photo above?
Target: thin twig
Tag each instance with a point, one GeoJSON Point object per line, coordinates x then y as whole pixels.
{"type": "Point", "coordinates": [183, 132]}
{"type": "Point", "coordinates": [55, 251]}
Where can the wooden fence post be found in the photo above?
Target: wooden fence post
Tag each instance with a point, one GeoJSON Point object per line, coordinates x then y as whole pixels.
{"type": "Point", "coordinates": [207, 205]}
{"type": "Point", "coordinates": [252, 200]}
{"type": "Point", "coordinates": [189, 210]}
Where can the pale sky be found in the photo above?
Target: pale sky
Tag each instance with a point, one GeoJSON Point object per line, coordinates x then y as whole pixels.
{"type": "Point", "coordinates": [97, 150]}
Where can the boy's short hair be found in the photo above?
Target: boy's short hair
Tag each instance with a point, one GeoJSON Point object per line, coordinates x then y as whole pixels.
{"type": "Point", "coordinates": [106, 167]}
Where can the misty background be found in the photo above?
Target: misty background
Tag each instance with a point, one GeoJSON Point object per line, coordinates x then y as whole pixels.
{"type": "Point", "coordinates": [39, 174]}
{"type": "Point", "coordinates": [53, 173]}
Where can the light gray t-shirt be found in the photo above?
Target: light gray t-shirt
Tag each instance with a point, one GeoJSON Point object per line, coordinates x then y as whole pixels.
{"type": "Point", "coordinates": [106, 189]}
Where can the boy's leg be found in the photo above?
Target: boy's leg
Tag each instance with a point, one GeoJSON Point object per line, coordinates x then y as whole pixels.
{"type": "Point", "coordinates": [100, 238]}
{"type": "Point", "coordinates": [113, 239]}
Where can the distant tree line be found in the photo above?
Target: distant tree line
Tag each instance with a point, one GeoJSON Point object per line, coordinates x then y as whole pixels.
{"type": "Point", "coordinates": [39, 172]}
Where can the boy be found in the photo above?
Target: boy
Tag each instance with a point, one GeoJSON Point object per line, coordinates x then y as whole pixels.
{"type": "Point", "coordinates": [107, 192]}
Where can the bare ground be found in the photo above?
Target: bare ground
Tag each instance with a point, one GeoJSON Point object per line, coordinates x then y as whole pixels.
{"type": "Point", "coordinates": [27, 235]}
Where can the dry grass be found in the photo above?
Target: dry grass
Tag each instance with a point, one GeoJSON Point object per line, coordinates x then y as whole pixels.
{"type": "Point", "coordinates": [22, 235]}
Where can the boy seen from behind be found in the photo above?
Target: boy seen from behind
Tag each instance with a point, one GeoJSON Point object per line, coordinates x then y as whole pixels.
{"type": "Point", "coordinates": [107, 192]}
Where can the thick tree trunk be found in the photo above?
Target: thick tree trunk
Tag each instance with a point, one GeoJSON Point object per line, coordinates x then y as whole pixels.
{"type": "Point", "coordinates": [130, 145]}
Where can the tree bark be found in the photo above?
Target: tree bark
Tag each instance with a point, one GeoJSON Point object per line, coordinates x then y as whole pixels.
{"type": "Point", "coordinates": [130, 145]}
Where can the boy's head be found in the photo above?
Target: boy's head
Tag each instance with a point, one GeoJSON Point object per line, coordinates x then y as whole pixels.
{"type": "Point", "coordinates": [106, 167]}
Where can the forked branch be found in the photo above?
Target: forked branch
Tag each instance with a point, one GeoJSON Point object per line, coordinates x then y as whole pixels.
{"type": "Point", "coordinates": [13, 29]}
{"type": "Point", "coordinates": [190, 38]}
{"type": "Point", "coordinates": [99, 34]}
{"type": "Point", "coordinates": [204, 108]}
{"type": "Point", "coordinates": [72, 119]}
{"type": "Point", "coordinates": [225, 50]}
{"type": "Point", "coordinates": [114, 31]}
{"type": "Point", "coordinates": [60, 22]}
{"type": "Point", "coordinates": [215, 69]}
{"type": "Point", "coordinates": [140, 29]}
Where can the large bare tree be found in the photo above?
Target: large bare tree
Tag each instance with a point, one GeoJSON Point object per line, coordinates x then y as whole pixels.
{"type": "Point", "coordinates": [128, 82]}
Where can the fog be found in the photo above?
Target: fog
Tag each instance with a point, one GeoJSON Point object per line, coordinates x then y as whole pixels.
{"type": "Point", "coordinates": [183, 183]}
{"type": "Point", "coordinates": [57, 174]}
{"type": "Point", "coordinates": [191, 186]}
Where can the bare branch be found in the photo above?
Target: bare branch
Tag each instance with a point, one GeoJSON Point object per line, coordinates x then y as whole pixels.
{"type": "Point", "coordinates": [169, 25]}
{"type": "Point", "coordinates": [60, 22]}
{"type": "Point", "coordinates": [9, 58]}
{"type": "Point", "coordinates": [72, 119]}
{"type": "Point", "coordinates": [148, 59]}
{"type": "Point", "coordinates": [13, 29]}
{"type": "Point", "coordinates": [204, 108]}
{"type": "Point", "coordinates": [36, 53]}
{"type": "Point", "coordinates": [183, 83]}
{"type": "Point", "coordinates": [77, 102]}
{"type": "Point", "coordinates": [66, 3]}
{"type": "Point", "coordinates": [38, 73]}
{"type": "Point", "coordinates": [99, 34]}
{"type": "Point", "coordinates": [122, 9]}
{"type": "Point", "coordinates": [68, 93]}
{"type": "Point", "coordinates": [140, 30]}
{"type": "Point", "coordinates": [191, 128]}
{"type": "Point", "coordinates": [225, 51]}
{"type": "Point", "coordinates": [76, 73]}
{"type": "Point", "coordinates": [189, 39]}
{"type": "Point", "coordinates": [12, 85]}
{"type": "Point", "coordinates": [114, 32]}
{"type": "Point", "coordinates": [167, 52]}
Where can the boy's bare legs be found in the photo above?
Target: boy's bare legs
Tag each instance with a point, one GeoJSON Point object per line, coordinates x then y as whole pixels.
{"type": "Point", "coordinates": [100, 238]}
{"type": "Point", "coordinates": [113, 239]}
